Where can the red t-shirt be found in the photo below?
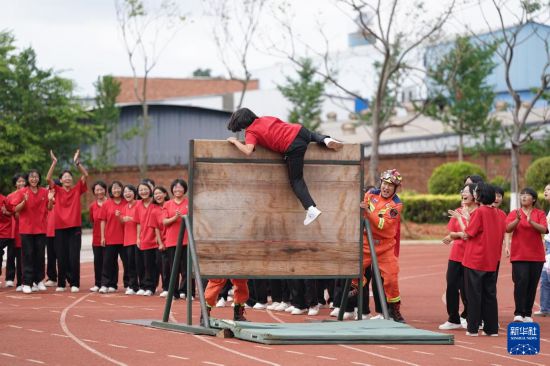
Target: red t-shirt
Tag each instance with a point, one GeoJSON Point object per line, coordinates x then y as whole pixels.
{"type": "Point", "coordinates": [271, 133]}
{"type": "Point", "coordinates": [12, 198]}
{"type": "Point", "coordinates": [114, 229]}
{"type": "Point", "coordinates": [33, 218]}
{"type": "Point", "coordinates": [484, 247]}
{"type": "Point", "coordinates": [67, 212]}
{"type": "Point", "coordinates": [50, 225]}
{"type": "Point", "coordinates": [155, 222]}
{"type": "Point", "coordinates": [130, 227]}
{"type": "Point", "coordinates": [527, 243]}
{"type": "Point", "coordinates": [457, 249]}
{"type": "Point", "coordinates": [173, 229]}
{"type": "Point", "coordinates": [147, 236]}
{"type": "Point", "coordinates": [96, 223]}
{"type": "Point", "coordinates": [6, 230]}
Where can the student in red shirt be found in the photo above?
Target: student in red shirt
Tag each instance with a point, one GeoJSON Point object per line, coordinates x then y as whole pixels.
{"type": "Point", "coordinates": [99, 190]}
{"type": "Point", "coordinates": [68, 223]}
{"type": "Point", "coordinates": [290, 140]}
{"type": "Point", "coordinates": [33, 216]}
{"type": "Point", "coordinates": [6, 230]}
{"type": "Point", "coordinates": [527, 254]}
{"type": "Point", "coordinates": [455, 270]}
{"type": "Point", "coordinates": [146, 238]}
{"type": "Point", "coordinates": [126, 216]}
{"type": "Point", "coordinates": [175, 209]}
{"type": "Point", "coordinates": [160, 195]}
{"type": "Point", "coordinates": [51, 265]}
{"type": "Point", "coordinates": [14, 261]}
{"type": "Point", "coordinates": [112, 237]}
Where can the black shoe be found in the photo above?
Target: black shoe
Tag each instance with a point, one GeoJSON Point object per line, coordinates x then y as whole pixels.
{"type": "Point", "coordinates": [238, 313]}
{"type": "Point", "coordinates": [395, 312]}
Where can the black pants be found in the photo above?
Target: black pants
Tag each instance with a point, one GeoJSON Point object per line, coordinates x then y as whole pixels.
{"type": "Point", "coordinates": [140, 268]}
{"type": "Point", "coordinates": [481, 296]}
{"type": "Point", "coordinates": [294, 157]}
{"type": "Point", "coordinates": [133, 281]}
{"type": "Point", "coordinates": [99, 253]}
{"type": "Point", "coordinates": [279, 291]}
{"type": "Point", "coordinates": [150, 279]}
{"type": "Point", "coordinates": [67, 247]}
{"type": "Point", "coordinates": [109, 273]}
{"type": "Point", "coordinates": [304, 293]}
{"type": "Point", "coordinates": [13, 254]}
{"type": "Point", "coordinates": [353, 302]}
{"type": "Point", "coordinates": [51, 268]}
{"type": "Point", "coordinates": [183, 282]}
{"type": "Point", "coordinates": [526, 277]}
{"type": "Point", "coordinates": [455, 290]}
{"type": "Point", "coordinates": [167, 257]}
{"type": "Point", "coordinates": [34, 246]}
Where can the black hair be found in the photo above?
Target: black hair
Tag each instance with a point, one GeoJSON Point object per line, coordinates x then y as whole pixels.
{"type": "Point", "coordinates": [145, 182]}
{"type": "Point", "coordinates": [98, 183]}
{"type": "Point", "coordinates": [471, 187]}
{"type": "Point", "coordinates": [163, 190]}
{"type": "Point", "coordinates": [16, 177]}
{"type": "Point", "coordinates": [57, 182]}
{"type": "Point", "coordinates": [485, 193]}
{"type": "Point", "coordinates": [111, 187]}
{"type": "Point", "coordinates": [474, 178]}
{"type": "Point", "coordinates": [180, 182]}
{"type": "Point", "coordinates": [532, 192]}
{"type": "Point", "coordinates": [499, 190]}
{"type": "Point", "coordinates": [132, 188]}
{"type": "Point", "coordinates": [241, 119]}
{"type": "Point", "coordinates": [149, 182]}
{"type": "Point", "coordinates": [65, 171]}
{"type": "Point", "coordinates": [33, 171]}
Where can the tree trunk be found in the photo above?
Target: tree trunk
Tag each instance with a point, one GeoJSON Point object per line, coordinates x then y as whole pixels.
{"type": "Point", "coordinates": [460, 147]}
{"type": "Point", "coordinates": [374, 160]}
{"type": "Point", "coordinates": [514, 176]}
{"type": "Point", "coordinates": [144, 138]}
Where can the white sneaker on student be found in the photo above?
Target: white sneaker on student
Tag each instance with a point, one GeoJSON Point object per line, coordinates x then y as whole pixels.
{"type": "Point", "coordinates": [377, 316]}
{"type": "Point", "coordinates": [60, 289]}
{"type": "Point", "coordinates": [333, 144]}
{"type": "Point", "coordinates": [103, 290]}
{"type": "Point", "coordinates": [297, 311]}
{"type": "Point", "coordinates": [50, 283]}
{"type": "Point", "coordinates": [221, 303]}
{"type": "Point", "coordinates": [94, 289]}
{"type": "Point", "coordinates": [527, 319]}
{"type": "Point", "coordinates": [111, 290]}
{"type": "Point", "coordinates": [313, 310]}
{"type": "Point", "coordinates": [518, 318]}
{"type": "Point", "coordinates": [34, 287]}
{"type": "Point", "coordinates": [140, 292]}
{"type": "Point", "coordinates": [163, 294]}
{"type": "Point", "coordinates": [41, 286]}
{"type": "Point", "coordinates": [259, 306]}
{"type": "Point", "coordinates": [334, 313]}
{"type": "Point", "coordinates": [348, 315]}
{"type": "Point", "coordinates": [130, 291]}
{"type": "Point", "coordinates": [27, 289]}
{"type": "Point", "coordinates": [472, 334]}
{"type": "Point", "coordinates": [273, 305]}
{"type": "Point", "coordinates": [148, 293]}
{"type": "Point", "coordinates": [19, 288]}
{"type": "Point", "coordinates": [363, 316]}
{"type": "Point", "coordinates": [74, 289]}
{"type": "Point", "coordinates": [490, 335]}
{"type": "Point", "coordinates": [229, 298]}
{"type": "Point", "coordinates": [289, 309]}
{"type": "Point", "coordinates": [450, 326]}
{"type": "Point", "coordinates": [311, 215]}
{"type": "Point", "coordinates": [282, 306]}
{"type": "Point", "coordinates": [9, 284]}
{"type": "Point", "coordinates": [464, 323]}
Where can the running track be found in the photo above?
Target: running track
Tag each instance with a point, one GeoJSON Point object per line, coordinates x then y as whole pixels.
{"type": "Point", "coordinates": [49, 328]}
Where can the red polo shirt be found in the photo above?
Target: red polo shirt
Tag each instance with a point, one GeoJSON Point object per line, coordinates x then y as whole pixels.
{"type": "Point", "coordinates": [155, 222]}
{"type": "Point", "coordinates": [114, 229]}
{"type": "Point", "coordinates": [96, 223]}
{"type": "Point", "coordinates": [457, 249]}
{"type": "Point", "coordinates": [147, 236]}
{"type": "Point", "coordinates": [130, 227]}
{"type": "Point", "coordinates": [527, 243]}
{"type": "Point", "coordinates": [12, 198]}
{"type": "Point", "coordinates": [67, 213]}
{"type": "Point", "coordinates": [33, 218]}
{"type": "Point", "coordinates": [173, 229]}
{"type": "Point", "coordinates": [271, 133]}
{"type": "Point", "coordinates": [6, 230]}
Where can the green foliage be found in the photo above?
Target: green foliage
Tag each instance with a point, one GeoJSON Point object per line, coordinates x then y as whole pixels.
{"type": "Point", "coordinates": [537, 175]}
{"type": "Point", "coordinates": [501, 182]}
{"type": "Point", "coordinates": [202, 73]}
{"type": "Point", "coordinates": [106, 117]}
{"type": "Point", "coordinates": [37, 113]}
{"type": "Point", "coordinates": [449, 178]}
{"type": "Point", "coordinates": [305, 94]}
{"type": "Point", "coordinates": [428, 208]}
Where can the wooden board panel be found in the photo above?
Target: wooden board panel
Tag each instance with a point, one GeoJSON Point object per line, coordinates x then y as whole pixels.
{"type": "Point", "coordinates": [225, 150]}
{"type": "Point", "coordinates": [221, 258]}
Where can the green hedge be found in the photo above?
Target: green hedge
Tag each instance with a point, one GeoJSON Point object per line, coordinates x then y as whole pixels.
{"type": "Point", "coordinates": [537, 175]}
{"type": "Point", "coordinates": [449, 178]}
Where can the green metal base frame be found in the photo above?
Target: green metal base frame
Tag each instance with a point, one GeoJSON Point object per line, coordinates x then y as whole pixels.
{"type": "Point", "coordinates": [176, 327]}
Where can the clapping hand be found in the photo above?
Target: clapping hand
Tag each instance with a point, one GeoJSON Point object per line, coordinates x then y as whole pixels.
{"type": "Point", "coordinates": [54, 159]}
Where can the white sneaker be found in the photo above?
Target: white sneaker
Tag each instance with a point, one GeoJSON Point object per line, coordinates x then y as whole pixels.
{"type": "Point", "coordinates": [464, 323]}
{"type": "Point", "coordinates": [19, 288]}
{"type": "Point", "coordinates": [111, 290]}
{"type": "Point", "coordinates": [472, 334]}
{"type": "Point", "coordinates": [246, 306]}
{"type": "Point", "coordinates": [527, 319]}
{"type": "Point", "coordinates": [449, 326]}
{"type": "Point", "coordinates": [331, 306]}
{"type": "Point", "coordinates": [333, 144]}
{"type": "Point", "coordinates": [130, 291]}
{"type": "Point", "coordinates": [490, 335]}
{"type": "Point", "coordinates": [289, 309]}
{"type": "Point", "coordinates": [363, 317]}
{"type": "Point", "coordinates": [183, 296]}
{"type": "Point", "coordinates": [9, 284]}
{"type": "Point", "coordinates": [273, 305]}
{"type": "Point", "coordinates": [297, 311]}
{"type": "Point", "coordinates": [103, 290]}
{"type": "Point", "coordinates": [94, 289]}
{"type": "Point", "coordinates": [259, 306]}
{"type": "Point", "coordinates": [311, 215]}
{"type": "Point", "coordinates": [34, 288]}
{"type": "Point", "coordinates": [163, 294]}
{"type": "Point", "coordinates": [518, 318]}
{"type": "Point", "coordinates": [74, 289]}
{"type": "Point", "coordinates": [348, 315]}
{"type": "Point", "coordinates": [27, 289]}
{"type": "Point", "coordinates": [313, 310]}
{"type": "Point", "coordinates": [60, 289]}
{"type": "Point", "coordinates": [221, 303]}
{"type": "Point", "coordinates": [334, 313]}
{"type": "Point", "coordinates": [229, 298]}
{"type": "Point", "coordinates": [377, 316]}
{"type": "Point", "coordinates": [41, 286]}
{"type": "Point", "coordinates": [282, 306]}
{"type": "Point", "coordinates": [481, 325]}
{"type": "Point", "coordinates": [50, 283]}
{"type": "Point", "coordinates": [140, 292]}
{"type": "Point", "coordinates": [148, 293]}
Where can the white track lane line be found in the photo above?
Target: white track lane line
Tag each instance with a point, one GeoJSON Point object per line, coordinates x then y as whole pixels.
{"type": "Point", "coordinates": [361, 363]}
{"type": "Point", "coordinates": [461, 359]}
{"type": "Point", "coordinates": [424, 353]}
{"type": "Point", "coordinates": [35, 361]}
{"type": "Point", "coordinates": [63, 323]}
{"type": "Point", "coordinates": [378, 355]}
{"type": "Point", "coordinates": [236, 352]}
{"type": "Point", "coordinates": [499, 355]}
{"type": "Point", "coordinates": [178, 357]}
{"type": "Point", "coordinates": [144, 351]}
{"type": "Point", "coordinates": [7, 355]}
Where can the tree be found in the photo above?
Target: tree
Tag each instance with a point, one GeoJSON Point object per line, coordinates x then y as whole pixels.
{"type": "Point", "coordinates": [206, 72]}
{"type": "Point", "coordinates": [460, 96]}
{"type": "Point", "coordinates": [508, 38]}
{"type": "Point", "coordinates": [38, 112]}
{"type": "Point", "coordinates": [106, 116]}
{"type": "Point", "coordinates": [305, 93]}
{"type": "Point", "coordinates": [141, 30]}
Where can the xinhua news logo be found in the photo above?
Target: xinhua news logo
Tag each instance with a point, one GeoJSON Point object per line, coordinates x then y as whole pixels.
{"type": "Point", "coordinates": [523, 339]}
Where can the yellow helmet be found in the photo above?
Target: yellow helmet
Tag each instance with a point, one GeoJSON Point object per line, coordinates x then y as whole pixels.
{"type": "Point", "coordinates": [391, 176]}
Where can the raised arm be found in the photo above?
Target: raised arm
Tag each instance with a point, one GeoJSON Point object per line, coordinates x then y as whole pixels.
{"type": "Point", "coordinates": [83, 171]}
{"type": "Point", "coordinates": [246, 149]}
{"type": "Point", "coordinates": [52, 168]}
